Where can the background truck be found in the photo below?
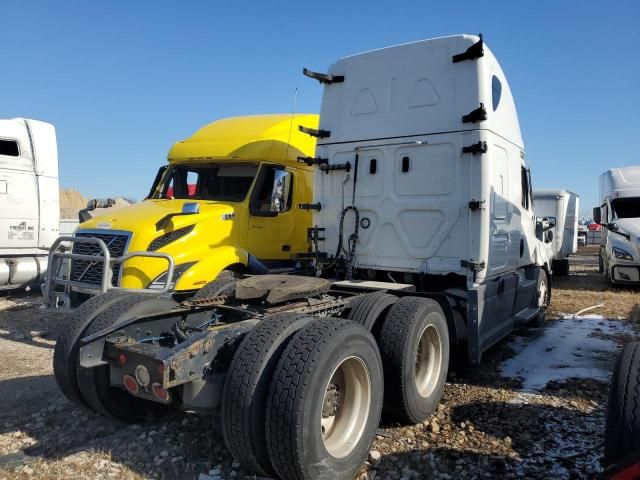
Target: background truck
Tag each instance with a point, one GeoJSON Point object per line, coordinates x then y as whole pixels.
{"type": "Point", "coordinates": [423, 239]}
{"type": "Point", "coordinates": [226, 201]}
{"type": "Point", "coordinates": [29, 203]}
{"type": "Point", "coordinates": [561, 207]}
{"type": "Point", "coordinates": [619, 214]}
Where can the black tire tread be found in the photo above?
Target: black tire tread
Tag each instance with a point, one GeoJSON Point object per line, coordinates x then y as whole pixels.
{"type": "Point", "coordinates": [393, 340]}
{"type": "Point", "coordinates": [119, 404]}
{"type": "Point", "coordinates": [247, 387]}
{"type": "Point", "coordinates": [65, 353]}
{"type": "Point", "coordinates": [293, 374]}
{"type": "Point", "coordinates": [622, 433]}
{"type": "Point", "coordinates": [369, 309]}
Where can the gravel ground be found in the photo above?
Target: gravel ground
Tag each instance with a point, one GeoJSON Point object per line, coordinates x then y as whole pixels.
{"type": "Point", "coordinates": [486, 426]}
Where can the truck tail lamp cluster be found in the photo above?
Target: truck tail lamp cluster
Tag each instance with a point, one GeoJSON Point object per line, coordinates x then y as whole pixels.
{"type": "Point", "coordinates": [142, 379]}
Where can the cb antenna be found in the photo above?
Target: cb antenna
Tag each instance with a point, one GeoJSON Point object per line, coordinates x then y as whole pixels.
{"type": "Point", "coordinates": [293, 111]}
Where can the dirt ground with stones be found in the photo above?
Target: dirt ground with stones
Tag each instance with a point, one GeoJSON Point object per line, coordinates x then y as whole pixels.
{"type": "Point", "coordinates": [485, 427]}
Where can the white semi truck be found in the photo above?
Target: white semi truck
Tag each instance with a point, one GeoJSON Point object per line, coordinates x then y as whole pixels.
{"type": "Point", "coordinates": [561, 207]}
{"type": "Point", "coordinates": [424, 240]}
{"type": "Point", "coordinates": [29, 200]}
{"type": "Point", "coordinates": [619, 214]}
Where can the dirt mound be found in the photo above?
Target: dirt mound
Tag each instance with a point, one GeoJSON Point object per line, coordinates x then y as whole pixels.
{"type": "Point", "coordinates": [71, 202]}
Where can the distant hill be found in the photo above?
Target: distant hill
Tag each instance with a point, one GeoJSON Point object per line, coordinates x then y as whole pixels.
{"type": "Point", "coordinates": [72, 201]}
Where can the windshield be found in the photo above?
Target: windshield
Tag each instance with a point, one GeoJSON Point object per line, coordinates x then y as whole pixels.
{"type": "Point", "coordinates": [229, 182]}
{"type": "Point", "coordinates": [626, 207]}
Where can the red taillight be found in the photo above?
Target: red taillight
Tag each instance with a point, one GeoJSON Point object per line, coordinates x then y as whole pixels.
{"type": "Point", "coordinates": [160, 393]}
{"type": "Point", "coordinates": [130, 384]}
{"type": "Point", "coordinates": [122, 359]}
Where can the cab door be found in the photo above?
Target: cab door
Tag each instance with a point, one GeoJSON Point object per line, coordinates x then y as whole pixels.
{"type": "Point", "coordinates": [271, 215]}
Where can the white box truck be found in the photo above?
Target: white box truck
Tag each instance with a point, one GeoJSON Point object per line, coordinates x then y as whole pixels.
{"type": "Point", "coordinates": [619, 214]}
{"type": "Point", "coordinates": [561, 207]}
{"type": "Point", "coordinates": [29, 201]}
{"type": "Point", "coordinates": [424, 239]}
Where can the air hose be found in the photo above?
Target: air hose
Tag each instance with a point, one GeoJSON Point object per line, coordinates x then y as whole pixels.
{"type": "Point", "coordinates": [351, 242]}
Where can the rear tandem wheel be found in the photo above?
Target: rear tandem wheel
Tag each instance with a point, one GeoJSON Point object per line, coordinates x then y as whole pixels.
{"type": "Point", "coordinates": [94, 383]}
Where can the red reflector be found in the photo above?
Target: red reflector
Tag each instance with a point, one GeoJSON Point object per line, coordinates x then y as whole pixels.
{"type": "Point", "coordinates": [122, 359]}
{"type": "Point", "coordinates": [160, 392]}
{"type": "Point", "coordinates": [130, 384]}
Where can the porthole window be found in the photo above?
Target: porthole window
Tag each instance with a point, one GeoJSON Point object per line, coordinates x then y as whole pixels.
{"type": "Point", "coordinates": [496, 92]}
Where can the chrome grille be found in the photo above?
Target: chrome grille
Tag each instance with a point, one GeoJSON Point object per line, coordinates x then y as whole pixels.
{"type": "Point", "coordinates": [91, 272]}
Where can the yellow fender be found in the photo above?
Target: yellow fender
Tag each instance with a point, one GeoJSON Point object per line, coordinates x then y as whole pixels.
{"type": "Point", "coordinates": [209, 268]}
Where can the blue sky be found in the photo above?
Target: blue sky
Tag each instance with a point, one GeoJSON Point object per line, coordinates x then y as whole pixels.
{"type": "Point", "coordinates": [123, 80]}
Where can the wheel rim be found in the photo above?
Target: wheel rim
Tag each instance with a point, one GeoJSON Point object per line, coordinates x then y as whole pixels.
{"type": "Point", "coordinates": [428, 360]}
{"type": "Point", "coordinates": [542, 294]}
{"type": "Point", "coordinates": [345, 407]}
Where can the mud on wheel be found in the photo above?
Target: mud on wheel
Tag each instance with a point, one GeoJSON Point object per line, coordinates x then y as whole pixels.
{"type": "Point", "coordinates": [325, 402]}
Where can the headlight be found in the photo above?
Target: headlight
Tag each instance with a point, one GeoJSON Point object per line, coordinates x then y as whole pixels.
{"type": "Point", "coordinates": [623, 254]}
{"type": "Point", "coordinates": [161, 279]}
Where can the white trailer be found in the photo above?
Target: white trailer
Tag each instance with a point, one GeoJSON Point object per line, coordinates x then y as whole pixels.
{"type": "Point", "coordinates": [561, 207]}
{"type": "Point", "coordinates": [29, 201]}
{"type": "Point", "coordinates": [422, 140]}
{"type": "Point", "coordinates": [619, 214]}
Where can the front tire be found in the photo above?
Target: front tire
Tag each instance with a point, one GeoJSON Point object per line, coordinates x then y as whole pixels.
{"type": "Point", "coordinates": [543, 298]}
{"type": "Point", "coordinates": [325, 402]}
{"type": "Point", "coordinates": [414, 344]}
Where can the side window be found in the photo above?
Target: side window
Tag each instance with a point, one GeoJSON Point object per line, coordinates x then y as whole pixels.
{"type": "Point", "coordinates": [496, 92]}
{"type": "Point", "coordinates": [273, 193]}
{"type": "Point", "coordinates": [525, 189]}
{"type": "Point", "coordinates": [192, 183]}
{"type": "Point", "coordinates": [9, 148]}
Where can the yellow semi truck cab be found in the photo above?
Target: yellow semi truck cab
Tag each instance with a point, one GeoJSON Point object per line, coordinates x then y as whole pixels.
{"type": "Point", "coordinates": [227, 200]}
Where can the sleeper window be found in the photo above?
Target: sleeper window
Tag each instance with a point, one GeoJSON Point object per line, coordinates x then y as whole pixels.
{"type": "Point", "coordinates": [9, 148]}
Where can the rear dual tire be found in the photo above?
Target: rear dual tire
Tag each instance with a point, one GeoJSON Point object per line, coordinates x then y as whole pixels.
{"type": "Point", "coordinates": [247, 387]}
{"type": "Point", "coordinates": [66, 350]}
{"type": "Point", "coordinates": [325, 402]}
{"type": "Point", "coordinates": [95, 383]}
{"type": "Point", "coordinates": [414, 344]}
{"type": "Point", "coordinates": [622, 432]}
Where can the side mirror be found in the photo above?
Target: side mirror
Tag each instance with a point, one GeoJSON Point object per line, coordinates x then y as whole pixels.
{"type": "Point", "coordinates": [190, 208]}
{"type": "Point", "coordinates": [552, 222]}
{"type": "Point", "coordinates": [612, 226]}
{"type": "Point", "coordinates": [280, 191]}
{"type": "Point", "coordinates": [549, 237]}
{"type": "Point", "coordinates": [596, 215]}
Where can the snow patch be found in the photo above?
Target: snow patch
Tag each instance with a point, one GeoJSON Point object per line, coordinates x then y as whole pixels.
{"type": "Point", "coordinates": [579, 347]}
